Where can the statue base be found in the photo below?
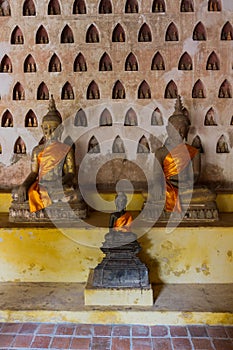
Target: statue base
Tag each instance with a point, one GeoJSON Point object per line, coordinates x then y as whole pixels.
{"type": "Point", "coordinates": [56, 212]}
{"type": "Point", "coordinates": [207, 212]}
{"type": "Point", "coordinates": [119, 273]}
{"type": "Point", "coordinates": [116, 296]}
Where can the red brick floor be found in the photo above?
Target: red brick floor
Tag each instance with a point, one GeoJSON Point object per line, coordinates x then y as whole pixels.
{"type": "Point", "coordinates": [114, 337]}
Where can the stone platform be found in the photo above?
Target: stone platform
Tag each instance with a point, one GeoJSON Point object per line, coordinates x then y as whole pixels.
{"type": "Point", "coordinates": [116, 296]}
{"type": "Point", "coordinates": [175, 304]}
{"type": "Point", "coordinates": [44, 270]}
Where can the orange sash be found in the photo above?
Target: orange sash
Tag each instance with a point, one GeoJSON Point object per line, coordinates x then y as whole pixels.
{"type": "Point", "coordinates": [47, 159]}
{"type": "Point", "coordinates": [123, 223]}
{"type": "Point", "coordinates": [174, 163]}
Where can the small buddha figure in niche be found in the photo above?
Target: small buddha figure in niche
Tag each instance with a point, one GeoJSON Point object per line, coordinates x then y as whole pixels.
{"type": "Point", "coordinates": [130, 118]}
{"type": "Point", "coordinates": [143, 146]}
{"type": "Point", "coordinates": [8, 122]}
{"type": "Point", "coordinates": [51, 179]}
{"type": "Point", "coordinates": [222, 146]}
{"type": "Point", "coordinates": [214, 5]}
{"type": "Point", "coordinates": [120, 220]}
{"type": "Point", "coordinates": [177, 170]}
{"type": "Point", "coordinates": [118, 146]}
{"type": "Point", "coordinates": [5, 8]}
{"type": "Point", "coordinates": [209, 119]}
{"type": "Point", "coordinates": [93, 146]}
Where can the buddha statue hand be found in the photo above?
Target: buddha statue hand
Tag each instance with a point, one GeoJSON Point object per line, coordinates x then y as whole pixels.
{"type": "Point", "coordinates": [20, 194]}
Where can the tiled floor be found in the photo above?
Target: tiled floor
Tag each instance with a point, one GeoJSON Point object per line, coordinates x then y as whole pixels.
{"type": "Point", "coordinates": [114, 337]}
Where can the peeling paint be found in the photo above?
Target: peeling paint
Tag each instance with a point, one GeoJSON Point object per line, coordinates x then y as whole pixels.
{"type": "Point", "coordinates": [31, 266]}
{"type": "Point", "coordinates": [229, 255]}
{"type": "Point", "coordinates": [171, 261]}
{"type": "Point", "coordinates": [204, 269]}
{"type": "Point", "coordinates": [179, 273]}
{"type": "Point", "coordinates": [187, 315]}
{"type": "Point", "coordinates": [190, 255]}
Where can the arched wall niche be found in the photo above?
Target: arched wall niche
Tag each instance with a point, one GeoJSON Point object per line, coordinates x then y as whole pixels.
{"type": "Point", "coordinates": [79, 7]}
{"type": "Point", "coordinates": [29, 8]}
{"type": "Point", "coordinates": [30, 120]}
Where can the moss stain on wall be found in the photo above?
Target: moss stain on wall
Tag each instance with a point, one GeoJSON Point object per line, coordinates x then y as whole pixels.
{"type": "Point", "coordinates": [204, 269]}
{"type": "Point", "coordinates": [229, 255]}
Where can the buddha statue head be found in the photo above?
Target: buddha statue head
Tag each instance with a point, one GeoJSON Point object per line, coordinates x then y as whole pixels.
{"type": "Point", "coordinates": [121, 201]}
{"type": "Point", "coordinates": [178, 123]}
{"type": "Point", "coordinates": [52, 123]}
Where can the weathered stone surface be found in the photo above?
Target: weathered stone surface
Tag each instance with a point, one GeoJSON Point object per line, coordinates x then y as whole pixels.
{"type": "Point", "coordinates": [121, 268]}
{"type": "Point", "coordinates": [57, 213]}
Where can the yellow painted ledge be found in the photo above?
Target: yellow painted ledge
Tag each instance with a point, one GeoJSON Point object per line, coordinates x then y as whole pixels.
{"type": "Point", "coordinates": [144, 317]}
{"type": "Point", "coordinates": [178, 304]}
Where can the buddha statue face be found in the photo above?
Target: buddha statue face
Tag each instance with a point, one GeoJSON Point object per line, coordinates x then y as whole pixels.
{"type": "Point", "coordinates": [177, 129]}
{"type": "Point", "coordinates": [52, 123]}
{"type": "Point", "coordinates": [51, 130]}
{"type": "Point", "coordinates": [121, 201]}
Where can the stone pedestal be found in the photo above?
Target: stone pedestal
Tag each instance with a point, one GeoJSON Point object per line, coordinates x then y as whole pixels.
{"type": "Point", "coordinates": [192, 212]}
{"type": "Point", "coordinates": [57, 212]}
{"type": "Point", "coordinates": [121, 278]}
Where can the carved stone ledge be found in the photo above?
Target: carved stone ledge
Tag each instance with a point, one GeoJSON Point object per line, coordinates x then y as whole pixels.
{"type": "Point", "coordinates": [57, 212]}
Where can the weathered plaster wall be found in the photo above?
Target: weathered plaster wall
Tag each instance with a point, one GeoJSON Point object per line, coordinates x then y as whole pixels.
{"type": "Point", "coordinates": [187, 255]}
{"type": "Point", "coordinates": [183, 255]}
{"type": "Point", "coordinates": [216, 167]}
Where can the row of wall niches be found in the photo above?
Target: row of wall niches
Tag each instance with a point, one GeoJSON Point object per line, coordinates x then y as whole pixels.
{"type": "Point", "coordinates": [105, 7]}
{"type": "Point", "coordinates": [119, 34]}
{"type": "Point", "coordinates": [80, 64]}
{"type": "Point", "coordinates": [143, 145]}
{"type": "Point", "coordinates": [106, 119]}
{"type": "Point", "coordinates": [118, 92]}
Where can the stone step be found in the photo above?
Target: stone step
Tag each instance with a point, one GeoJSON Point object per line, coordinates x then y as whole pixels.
{"type": "Point", "coordinates": [174, 304]}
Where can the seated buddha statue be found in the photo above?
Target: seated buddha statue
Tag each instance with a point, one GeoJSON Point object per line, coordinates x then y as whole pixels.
{"type": "Point", "coordinates": [176, 174]}
{"type": "Point", "coordinates": [51, 179]}
{"type": "Point", "coordinates": [121, 219]}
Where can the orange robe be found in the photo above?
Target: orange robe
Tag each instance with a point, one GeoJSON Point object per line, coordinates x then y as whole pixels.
{"type": "Point", "coordinates": [123, 223]}
{"type": "Point", "coordinates": [174, 163]}
{"type": "Point", "coordinates": [47, 159]}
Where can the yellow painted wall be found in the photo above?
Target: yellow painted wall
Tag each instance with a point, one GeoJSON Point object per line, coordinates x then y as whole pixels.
{"type": "Point", "coordinates": [225, 202]}
{"type": "Point", "coordinates": [40, 254]}
{"type": "Point", "coordinates": [187, 255]}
